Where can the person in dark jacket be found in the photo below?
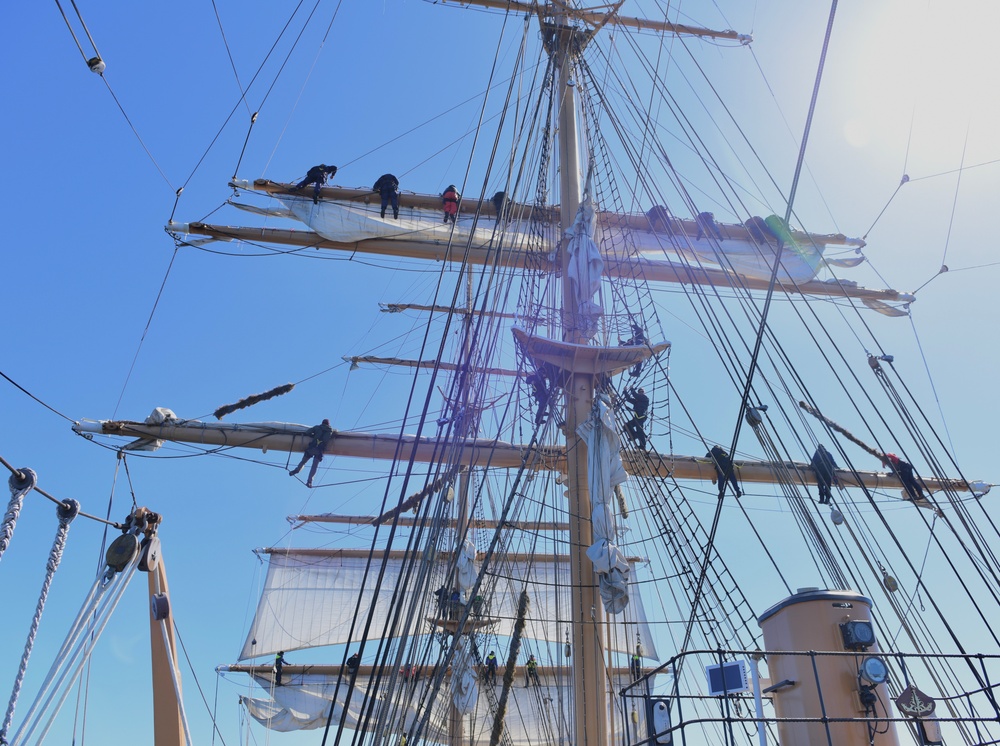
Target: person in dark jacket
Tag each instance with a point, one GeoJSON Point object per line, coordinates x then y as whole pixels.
{"type": "Point", "coordinates": [541, 394]}
{"type": "Point", "coordinates": [449, 201]}
{"type": "Point", "coordinates": [502, 205]}
{"type": "Point", "coordinates": [707, 227]}
{"type": "Point", "coordinates": [904, 471]}
{"type": "Point", "coordinates": [317, 175]}
{"type": "Point", "coordinates": [353, 662]}
{"type": "Point", "coordinates": [319, 436]}
{"type": "Point", "coordinates": [491, 668]}
{"type": "Point", "coordinates": [824, 467]}
{"type": "Point", "coordinates": [635, 665]}
{"type": "Point", "coordinates": [531, 672]}
{"type": "Point", "coordinates": [725, 472]}
{"type": "Point", "coordinates": [636, 427]}
{"type": "Point", "coordinates": [387, 187]}
{"type": "Point", "coordinates": [279, 663]}
{"type": "Point", "coordinates": [659, 219]}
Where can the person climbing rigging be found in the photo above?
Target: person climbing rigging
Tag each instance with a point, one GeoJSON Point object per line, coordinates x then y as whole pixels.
{"type": "Point", "coordinates": [502, 206]}
{"type": "Point", "coordinates": [635, 665]}
{"type": "Point", "coordinates": [824, 467]}
{"type": "Point", "coordinates": [531, 672]}
{"type": "Point", "coordinates": [279, 663]}
{"type": "Point", "coordinates": [317, 175]}
{"type": "Point", "coordinates": [449, 200]}
{"type": "Point", "coordinates": [707, 226]}
{"type": "Point", "coordinates": [491, 668]}
{"type": "Point", "coordinates": [637, 339]}
{"type": "Point", "coordinates": [904, 471]}
{"type": "Point", "coordinates": [725, 472]}
{"type": "Point", "coordinates": [636, 427]}
{"type": "Point", "coordinates": [540, 392]}
{"type": "Point", "coordinates": [319, 436]}
{"type": "Point", "coordinates": [387, 187]}
{"type": "Point", "coordinates": [353, 662]}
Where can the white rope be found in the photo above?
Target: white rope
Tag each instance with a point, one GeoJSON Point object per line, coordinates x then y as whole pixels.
{"type": "Point", "coordinates": [66, 511]}
{"type": "Point", "coordinates": [18, 489]}
{"type": "Point", "coordinates": [75, 651]}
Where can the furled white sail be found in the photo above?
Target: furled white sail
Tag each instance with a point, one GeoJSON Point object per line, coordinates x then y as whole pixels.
{"type": "Point", "coordinates": [304, 702]}
{"type": "Point", "coordinates": [464, 678]}
{"type": "Point", "coordinates": [348, 222]}
{"type": "Point", "coordinates": [585, 266]}
{"type": "Point", "coordinates": [309, 600]}
{"type": "Point", "coordinates": [605, 472]}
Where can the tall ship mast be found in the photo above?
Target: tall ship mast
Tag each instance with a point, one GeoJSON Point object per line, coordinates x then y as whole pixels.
{"type": "Point", "coordinates": [567, 540]}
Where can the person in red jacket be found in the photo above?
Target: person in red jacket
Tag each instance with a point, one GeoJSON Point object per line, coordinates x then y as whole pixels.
{"type": "Point", "coordinates": [450, 200]}
{"type": "Point", "coordinates": [904, 471]}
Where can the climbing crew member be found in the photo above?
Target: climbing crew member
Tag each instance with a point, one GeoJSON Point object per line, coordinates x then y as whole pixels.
{"type": "Point", "coordinates": [724, 470]}
{"type": "Point", "coordinates": [759, 230]}
{"type": "Point", "coordinates": [659, 219]}
{"type": "Point", "coordinates": [455, 604]}
{"type": "Point", "coordinates": [904, 471]}
{"type": "Point", "coordinates": [317, 175]}
{"type": "Point", "coordinates": [531, 672]}
{"type": "Point", "coordinates": [541, 394]}
{"type": "Point", "coordinates": [636, 427]}
{"type": "Point", "coordinates": [353, 662]}
{"type": "Point", "coordinates": [449, 200]}
{"type": "Point", "coordinates": [823, 467]}
{"type": "Point", "coordinates": [279, 663]}
{"type": "Point", "coordinates": [387, 187]}
{"type": "Point", "coordinates": [707, 226]}
{"type": "Point", "coordinates": [635, 665]}
{"type": "Point", "coordinates": [502, 206]}
{"type": "Point", "coordinates": [638, 338]}
{"type": "Point", "coordinates": [491, 668]}
{"type": "Point", "coordinates": [319, 436]}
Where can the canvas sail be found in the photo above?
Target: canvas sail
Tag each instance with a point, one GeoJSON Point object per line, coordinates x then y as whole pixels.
{"type": "Point", "coordinates": [309, 601]}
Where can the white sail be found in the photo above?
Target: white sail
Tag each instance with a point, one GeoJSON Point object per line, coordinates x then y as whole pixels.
{"type": "Point", "coordinates": [310, 600]}
{"type": "Point", "coordinates": [350, 222]}
{"type": "Point", "coordinates": [303, 703]}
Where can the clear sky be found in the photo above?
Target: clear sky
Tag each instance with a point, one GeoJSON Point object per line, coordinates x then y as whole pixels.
{"type": "Point", "coordinates": [104, 319]}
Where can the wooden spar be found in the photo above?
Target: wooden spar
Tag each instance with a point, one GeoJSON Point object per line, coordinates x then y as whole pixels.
{"type": "Point", "coordinates": [596, 18]}
{"type": "Point", "coordinates": [408, 522]}
{"type": "Point", "coordinates": [590, 697]}
{"type": "Point", "coordinates": [614, 266]}
{"type": "Point", "coordinates": [429, 364]}
{"type": "Point", "coordinates": [480, 452]}
{"type": "Point", "coordinates": [847, 434]}
{"type": "Point", "coordinates": [319, 669]}
{"type": "Point", "coordinates": [631, 221]}
{"type": "Point", "coordinates": [403, 555]}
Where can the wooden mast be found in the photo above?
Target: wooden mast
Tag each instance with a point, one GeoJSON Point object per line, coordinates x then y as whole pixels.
{"type": "Point", "coordinates": [586, 611]}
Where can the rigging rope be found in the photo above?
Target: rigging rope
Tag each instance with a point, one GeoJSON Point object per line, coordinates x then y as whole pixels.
{"type": "Point", "coordinates": [66, 512]}
{"type": "Point", "coordinates": [20, 483]}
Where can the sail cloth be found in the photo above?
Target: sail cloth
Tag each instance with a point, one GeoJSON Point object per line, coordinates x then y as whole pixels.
{"type": "Point", "coordinates": [585, 266]}
{"type": "Point", "coordinates": [303, 702]}
{"type": "Point", "coordinates": [309, 601]}
{"type": "Point", "coordinates": [467, 570]}
{"type": "Point", "coordinates": [605, 472]}
{"type": "Point", "coordinates": [349, 222]}
{"type": "Point", "coordinates": [464, 690]}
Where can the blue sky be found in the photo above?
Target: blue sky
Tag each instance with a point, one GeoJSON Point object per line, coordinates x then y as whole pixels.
{"type": "Point", "coordinates": [91, 335]}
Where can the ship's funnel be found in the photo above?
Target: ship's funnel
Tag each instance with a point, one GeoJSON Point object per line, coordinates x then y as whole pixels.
{"type": "Point", "coordinates": [834, 697]}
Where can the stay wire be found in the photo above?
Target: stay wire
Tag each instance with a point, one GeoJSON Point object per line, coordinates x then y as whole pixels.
{"type": "Point", "coordinates": [25, 391]}
{"type": "Point", "coordinates": [145, 331]}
